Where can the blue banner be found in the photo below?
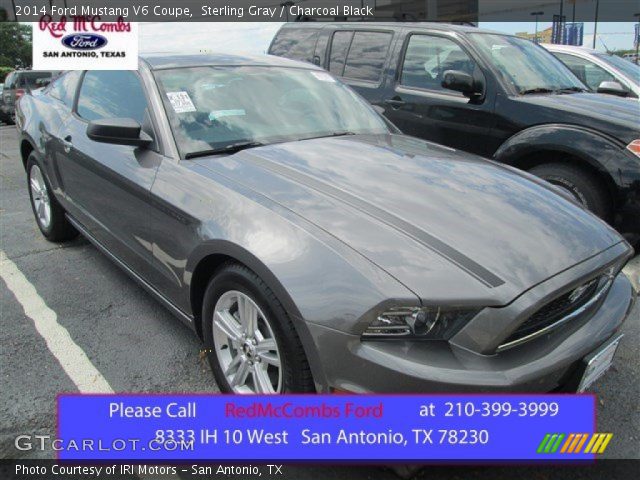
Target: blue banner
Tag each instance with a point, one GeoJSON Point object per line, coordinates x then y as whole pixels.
{"type": "Point", "coordinates": [325, 427]}
{"type": "Point", "coordinates": [574, 34]}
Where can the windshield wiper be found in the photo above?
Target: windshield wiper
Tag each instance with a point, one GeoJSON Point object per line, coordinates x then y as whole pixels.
{"type": "Point", "coordinates": [552, 90]}
{"type": "Point", "coordinates": [572, 89]}
{"type": "Point", "coordinates": [231, 148]}
{"type": "Point", "coordinates": [537, 90]}
{"type": "Point", "coordinates": [333, 134]}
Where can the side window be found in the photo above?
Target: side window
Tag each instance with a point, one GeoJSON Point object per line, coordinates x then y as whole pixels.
{"type": "Point", "coordinates": [338, 53]}
{"type": "Point", "coordinates": [428, 57]}
{"type": "Point", "coordinates": [64, 87]}
{"type": "Point", "coordinates": [366, 57]}
{"type": "Point", "coordinates": [295, 43]}
{"type": "Point", "coordinates": [588, 72]}
{"type": "Point", "coordinates": [111, 94]}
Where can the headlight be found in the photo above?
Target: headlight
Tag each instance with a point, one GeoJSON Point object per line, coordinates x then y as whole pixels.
{"type": "Point", "coordinates": [429, 323]}
{"type": "Point", "coordinates": [634, 147]}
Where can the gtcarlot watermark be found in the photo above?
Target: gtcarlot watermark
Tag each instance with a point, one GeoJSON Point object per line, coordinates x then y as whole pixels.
{"type": "Point", "coordinates": [47, 442]}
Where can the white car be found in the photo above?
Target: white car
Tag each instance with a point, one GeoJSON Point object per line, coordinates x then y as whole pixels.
{"type": "Point", "coordinates": [601, 72]}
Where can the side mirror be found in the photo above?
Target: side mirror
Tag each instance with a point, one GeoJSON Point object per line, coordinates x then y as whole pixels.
{"type": "Point", "coordinates": [120, 131]}
{"type": "Point", "coordinates": [612, 88]}
{"type": "Point", "coordinates": [460, 82]}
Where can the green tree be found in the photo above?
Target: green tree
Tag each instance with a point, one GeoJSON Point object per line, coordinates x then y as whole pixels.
{"type": "Point", "coordinates": [15, 45]}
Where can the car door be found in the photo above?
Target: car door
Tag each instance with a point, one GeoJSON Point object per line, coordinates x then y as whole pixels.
{"type": "Point", "coordinates": [107, 186]}
{"type": "Point", "coordinates": [418, 104]}
{"type": "Point", "coordinates": [359, 57]}
{"type": "Point", "coordinates": [59, 96]}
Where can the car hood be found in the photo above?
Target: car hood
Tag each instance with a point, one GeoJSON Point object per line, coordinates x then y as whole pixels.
{"type": "Point", "coordinates": [615, 116]}
{"type": "Point", "coordinates": [448, 225]}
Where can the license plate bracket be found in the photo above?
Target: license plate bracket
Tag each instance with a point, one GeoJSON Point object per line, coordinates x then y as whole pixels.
{"type": "Point", "coordinates": [597, 363]}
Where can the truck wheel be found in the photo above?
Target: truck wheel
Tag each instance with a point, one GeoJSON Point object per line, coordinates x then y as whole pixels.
{"type": "Point", "coordinates": [582, 186]}
{"type": "Point", "coordinates": [48, 212]}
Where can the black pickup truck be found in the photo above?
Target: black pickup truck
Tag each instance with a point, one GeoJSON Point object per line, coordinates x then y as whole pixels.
{"type": "Point", "coordinates": [492, 94]}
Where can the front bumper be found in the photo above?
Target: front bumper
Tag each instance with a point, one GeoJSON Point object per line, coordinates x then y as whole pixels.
{"type": "Point", "coordinates": [544, 364]}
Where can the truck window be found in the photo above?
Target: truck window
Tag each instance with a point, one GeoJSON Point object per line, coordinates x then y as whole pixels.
{"type": "Point", "coordinates": [339, 48]}
{"type": "Point", "coordinates": [428, 57]}
{"type": "Point", "coordinates": [295, 43]}
{"type": "Point", "coordinates": [366, 56]}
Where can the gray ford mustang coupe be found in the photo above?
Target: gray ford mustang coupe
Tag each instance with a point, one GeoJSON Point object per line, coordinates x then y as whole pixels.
{"type": "Point", "coordinates": [311, 245]}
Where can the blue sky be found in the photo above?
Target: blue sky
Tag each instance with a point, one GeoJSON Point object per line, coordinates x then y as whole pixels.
{"type": "Point", "coordinates": [254, 37]}
{"type": "Point", "coordinates": [616, 35]}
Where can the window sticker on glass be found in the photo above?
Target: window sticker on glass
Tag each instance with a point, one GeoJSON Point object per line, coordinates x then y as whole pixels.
{"type": "Point", "coordinates": [181, 102]}
{"type": "Point", "coordinates": [216, 114]}
{"type": "Point", "coordinates": [323, 76]}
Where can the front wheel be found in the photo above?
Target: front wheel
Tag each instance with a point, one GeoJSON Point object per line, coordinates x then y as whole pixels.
{"type": "Point", "coordinates": [251, 342]}
{"type": "Point", "coordinates": [580, 184]}
{"type": "Point", "coordinates": [49, 213]}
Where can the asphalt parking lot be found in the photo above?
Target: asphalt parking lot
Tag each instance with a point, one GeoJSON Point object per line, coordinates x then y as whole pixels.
{"type": "Point", "coordinates": [136, 345]}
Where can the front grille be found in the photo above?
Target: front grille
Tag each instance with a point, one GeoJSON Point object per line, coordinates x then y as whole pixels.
{"type": "Point", "coordinates": [555, 310]}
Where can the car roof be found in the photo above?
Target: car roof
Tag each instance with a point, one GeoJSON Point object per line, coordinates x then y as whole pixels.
{"type": "Point", "coordinates": [157, 61]}
{"type": "Point", "coordinates": [443, 27]}
{"type": "Point", "coordinates": [568, 48]}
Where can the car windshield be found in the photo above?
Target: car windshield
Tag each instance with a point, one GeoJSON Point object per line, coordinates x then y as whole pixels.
{"type": "Point", "coordinates": [630, 69]}
{"type": "Point", "coordinates": [526, 66]}
{"type": "Point", "coordinates": [215, 109]}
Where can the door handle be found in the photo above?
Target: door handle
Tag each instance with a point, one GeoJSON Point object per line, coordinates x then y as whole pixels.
{"type": "Point", "coordinates": [67, 145]}
{"type": "Point", "coordinates": [395, 103]}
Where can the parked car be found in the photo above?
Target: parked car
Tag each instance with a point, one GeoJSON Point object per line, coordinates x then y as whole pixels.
{"type": "Point", "coordinates": [311, 245]}
{"type": "Point", "coordinates": [495, 95]}
{"type": "Point", "coordinates": [3, 118]}
{"type": "Point", "coordinates": [601, 72]}
{"type": "Point", "coordinates": [16, 84]}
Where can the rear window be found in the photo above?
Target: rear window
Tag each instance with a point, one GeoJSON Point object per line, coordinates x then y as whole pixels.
{"type": "Point", "coordinates": [359, 55]}
{"type": "Point", "coordinates": [295, 43]}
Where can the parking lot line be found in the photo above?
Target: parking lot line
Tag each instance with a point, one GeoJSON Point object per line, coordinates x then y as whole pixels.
{"type": "Point", "coordinates": [71, 357]}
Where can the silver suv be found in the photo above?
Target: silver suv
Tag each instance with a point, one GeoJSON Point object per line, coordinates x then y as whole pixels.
{"type": "Point", "coordinates": [601, 72]}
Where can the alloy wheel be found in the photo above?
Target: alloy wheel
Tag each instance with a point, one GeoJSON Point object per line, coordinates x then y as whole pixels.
{"type": "Point", "coordinates": [40, 196]}
{"type": "Point", "coordinates": [245, 345]}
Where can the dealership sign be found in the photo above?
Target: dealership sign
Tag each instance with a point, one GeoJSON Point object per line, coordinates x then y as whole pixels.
{"type": "Point", "coordinates": [84, 42]}
{"type": "Point", "coordinates": [247, 428]}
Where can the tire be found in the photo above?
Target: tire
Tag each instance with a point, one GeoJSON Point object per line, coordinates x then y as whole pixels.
{"type": "Point", "coordinates": [54, 226]}
{"type": "Point", "coordinates": [230, 287]}
{"type": "Point", "coordinates": [582, 185]}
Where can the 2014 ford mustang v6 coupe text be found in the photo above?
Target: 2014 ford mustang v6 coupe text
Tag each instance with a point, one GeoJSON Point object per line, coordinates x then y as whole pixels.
{"type": "Point", "coordinates": [311, 245]}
